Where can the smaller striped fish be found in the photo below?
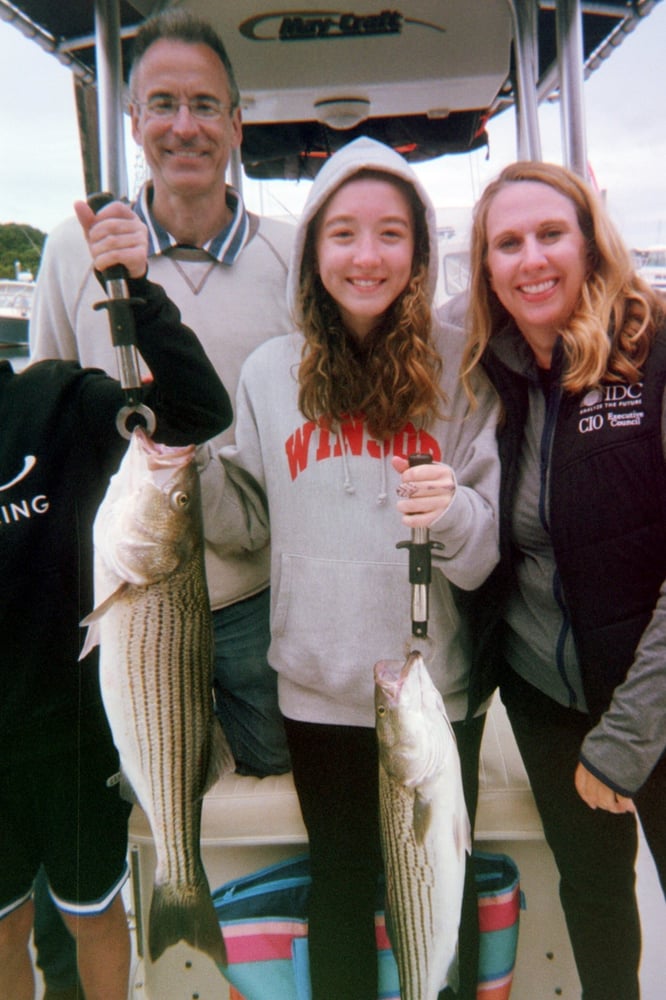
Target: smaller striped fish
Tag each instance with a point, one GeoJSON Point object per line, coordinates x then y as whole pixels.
{"type": "Point", "coordinates": [153, 623]}
{"type": "Point", "coordinates": [424, 824]}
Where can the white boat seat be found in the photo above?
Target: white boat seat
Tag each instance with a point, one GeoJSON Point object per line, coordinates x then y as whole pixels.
{"type": "Point", "coordinates": [245, 811]}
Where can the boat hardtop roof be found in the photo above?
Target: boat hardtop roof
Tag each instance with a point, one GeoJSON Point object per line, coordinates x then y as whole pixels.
{"type": "Point", "coordinates": [424, 77]}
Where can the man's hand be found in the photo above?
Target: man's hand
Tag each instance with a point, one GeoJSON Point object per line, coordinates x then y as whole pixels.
{"type": "Point", "coordinates": [115, 235]}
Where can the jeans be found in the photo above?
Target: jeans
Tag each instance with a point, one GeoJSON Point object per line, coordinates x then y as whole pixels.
{"type": "Point", "coordinates": [245, 687]}
{"type": "Point", "coordinates": [595, 851]}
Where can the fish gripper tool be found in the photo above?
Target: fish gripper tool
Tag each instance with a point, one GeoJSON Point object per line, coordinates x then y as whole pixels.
{"type": "Point", "coordinates": [420, 549]}
{"type": "Point", "coordinates": [118, 304]}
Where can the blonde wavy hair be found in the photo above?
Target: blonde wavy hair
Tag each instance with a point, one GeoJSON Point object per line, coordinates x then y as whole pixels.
{"type": "Point", "coordinates": [609, 333]}
{"type": "Point", "coordinates": [392, 376]}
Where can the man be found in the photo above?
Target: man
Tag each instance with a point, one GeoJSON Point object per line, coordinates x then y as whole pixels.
{"type": "Point", "coordinates": [226, 271]}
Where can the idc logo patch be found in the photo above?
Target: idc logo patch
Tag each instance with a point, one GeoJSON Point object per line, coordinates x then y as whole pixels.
{"type": "Point", "coordinates": [613, 406]}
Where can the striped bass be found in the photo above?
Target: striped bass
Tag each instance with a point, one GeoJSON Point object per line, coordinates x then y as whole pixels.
{"type": "Point", "coordinates": [153, 623]}
{"type": "Point", "coordinates": [424, 826]}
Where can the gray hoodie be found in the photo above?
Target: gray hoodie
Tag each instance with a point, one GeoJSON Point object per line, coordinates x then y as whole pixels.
{"type": "Point", "coordinates": [340, 592]}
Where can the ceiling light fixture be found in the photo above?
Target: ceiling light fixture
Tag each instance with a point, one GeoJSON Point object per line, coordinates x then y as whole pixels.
{"type": "Point", "coordinates": [342, 112]}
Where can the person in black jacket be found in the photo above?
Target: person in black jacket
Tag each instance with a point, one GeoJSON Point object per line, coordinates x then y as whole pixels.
{"type": "Point", "coordinates": [59, 445]}
{"type": "Point", "coordinates": [575, 343]}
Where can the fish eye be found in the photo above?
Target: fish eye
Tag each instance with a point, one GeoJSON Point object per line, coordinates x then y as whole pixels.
{"type": "Point", "coordinates": [381, 710]}
{"type": "Point", "coordinates": [180, 500]}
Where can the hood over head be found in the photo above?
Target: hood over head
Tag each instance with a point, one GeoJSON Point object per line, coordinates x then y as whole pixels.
{"type": "Point", "coordinates": [361, 154]}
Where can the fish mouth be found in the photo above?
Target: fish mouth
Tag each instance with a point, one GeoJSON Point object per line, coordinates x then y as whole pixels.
{"type": "Point", "coordinates": [161, 456]}
{"type": "Point", "coordinates": [391, 675]}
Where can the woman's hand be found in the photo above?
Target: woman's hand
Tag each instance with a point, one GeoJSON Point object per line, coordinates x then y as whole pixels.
{"type": "Point", "coordinates": [597, 795]}
{"type": "Point", "coordinates": [426, 491]}
{"type": "Point", "coordinates": [115, 235]}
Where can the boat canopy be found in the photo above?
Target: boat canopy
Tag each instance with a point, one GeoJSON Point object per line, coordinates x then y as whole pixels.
{"type": "Point", "coordinates": [424, 77]}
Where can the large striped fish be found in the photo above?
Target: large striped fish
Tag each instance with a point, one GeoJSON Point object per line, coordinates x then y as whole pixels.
{"type": "Point", "coordinates": [424, 824]}
{"type": "Point", "coordinates": [153, 624]}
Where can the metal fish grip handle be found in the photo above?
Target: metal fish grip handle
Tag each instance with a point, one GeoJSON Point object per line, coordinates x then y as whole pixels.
{"type": "Point", "coordinates": [118, 304]}
{"type": "Point", "coordinates": [420, 566]}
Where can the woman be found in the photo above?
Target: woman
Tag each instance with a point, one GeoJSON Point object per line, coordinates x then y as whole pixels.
{"type": "Point", "coordinates": [321, 416]}
{"type": "Point", "coordinates": [575, 343]}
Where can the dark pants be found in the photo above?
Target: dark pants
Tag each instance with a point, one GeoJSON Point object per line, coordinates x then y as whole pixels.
{"type": "Point", "coordinates": [336, 776]}
{"type": "Point", "coordinates": [595, 851]}
{"type": "Point", "coordinates": [650, 802]}
{"type": "Point", "coordinates": [54, 945]}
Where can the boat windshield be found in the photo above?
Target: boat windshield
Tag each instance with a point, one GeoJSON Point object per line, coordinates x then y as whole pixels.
{"type": "Point", "coordinates": [16, 295]}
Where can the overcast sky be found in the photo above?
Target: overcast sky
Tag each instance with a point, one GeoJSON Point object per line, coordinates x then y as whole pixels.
{"type": "Point", "coordinates": [625, 100]}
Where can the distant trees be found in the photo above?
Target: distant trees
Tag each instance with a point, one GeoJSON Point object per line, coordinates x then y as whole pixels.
{"type": "Point", "coordinates": [20, 243]}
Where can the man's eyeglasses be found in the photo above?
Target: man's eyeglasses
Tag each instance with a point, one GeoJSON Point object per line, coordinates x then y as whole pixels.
{"type": "Point", "coordinates": [205, 109]}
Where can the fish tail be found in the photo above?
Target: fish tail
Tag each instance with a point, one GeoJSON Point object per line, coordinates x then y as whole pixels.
{"type": "Point", "coordinates": [185, 915]}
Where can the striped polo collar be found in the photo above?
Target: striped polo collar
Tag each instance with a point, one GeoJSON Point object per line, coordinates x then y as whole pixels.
{"type": "Point", "coordinates": [223, 247]}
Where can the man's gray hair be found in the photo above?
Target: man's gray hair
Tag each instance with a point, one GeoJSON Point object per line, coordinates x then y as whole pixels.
{"type": "Point", "coordinates": [181, 26]}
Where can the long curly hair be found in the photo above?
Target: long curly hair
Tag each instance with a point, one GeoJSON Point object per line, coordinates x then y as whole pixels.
{"type": "Point", "coordinates": [609, 334]}
{"type": "Point", "coordinates": [393, 375]}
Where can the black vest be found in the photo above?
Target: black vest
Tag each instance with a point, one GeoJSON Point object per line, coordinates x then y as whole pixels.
{"type": "Point", "coordinates": [608, 520]}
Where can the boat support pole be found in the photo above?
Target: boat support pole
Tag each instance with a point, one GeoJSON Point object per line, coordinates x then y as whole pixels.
{"type": "Point", "coordinates": [110, 96]}
{"type": "Point", "coordinates": [114, 177]}
{"type": "Point", "coordinates": [525, 14]}
{"type": "Point", "coordinates": [570, 57]}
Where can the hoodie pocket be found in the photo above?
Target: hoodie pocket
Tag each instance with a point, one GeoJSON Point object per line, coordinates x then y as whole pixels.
{"type": "Point", "coordinates": [333, 619]}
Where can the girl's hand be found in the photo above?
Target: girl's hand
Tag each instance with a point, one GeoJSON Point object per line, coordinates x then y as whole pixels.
{"type": "Point", "coordinates": [115, 235]}
{"type": "Point", "coordinates": [426, 491]}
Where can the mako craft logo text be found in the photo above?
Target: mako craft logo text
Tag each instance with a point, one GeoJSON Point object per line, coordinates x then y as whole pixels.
{"type": "Point", "coordinates": [308, 25]}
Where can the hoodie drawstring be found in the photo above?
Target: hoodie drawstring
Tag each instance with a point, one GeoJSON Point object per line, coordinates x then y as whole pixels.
{"type": "Point", "coordinates": [349, 487]}
{"type": "Point", "coordinates": [340, 440]}
{"type": "Point", "coordinates": [383, 489]}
